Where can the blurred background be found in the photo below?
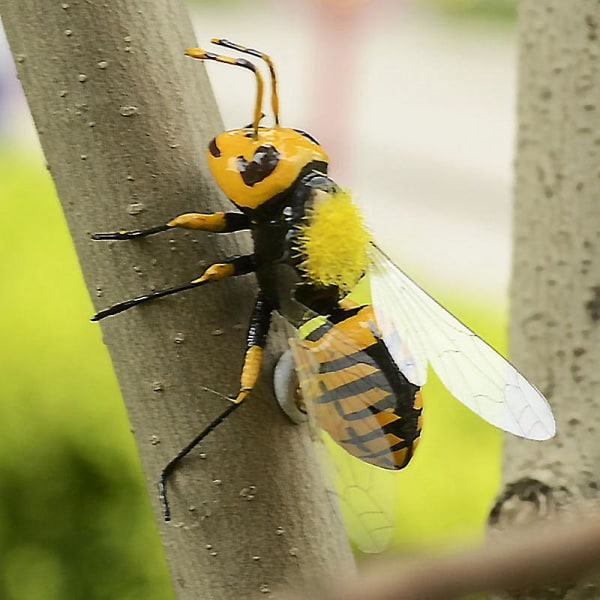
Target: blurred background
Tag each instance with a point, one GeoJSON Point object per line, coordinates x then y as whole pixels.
{"type": "Point", "coordinates": [414, 101]}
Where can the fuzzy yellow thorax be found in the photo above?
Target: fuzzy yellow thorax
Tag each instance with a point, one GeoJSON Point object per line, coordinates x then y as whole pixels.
{"type": "Point", "coordinates": [334, 242]}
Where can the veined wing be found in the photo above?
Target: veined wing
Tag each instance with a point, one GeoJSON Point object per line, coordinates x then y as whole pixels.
{"type": "Point", "coordinates": [366, 502]}
{"type": "Point", "coordinates": [473, 371]}
{"type": "Point", "coordinates": [367, 497]}
{"type": "Point", "coordinates": [358, 399]}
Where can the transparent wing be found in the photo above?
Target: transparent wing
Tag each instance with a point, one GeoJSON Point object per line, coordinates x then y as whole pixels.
{"type": "Point", "coordinates": [367, 497]}
{"type": "Point", "coordinates": [366, 503]}
{"type": "Point", "coordinates": [473, 372]}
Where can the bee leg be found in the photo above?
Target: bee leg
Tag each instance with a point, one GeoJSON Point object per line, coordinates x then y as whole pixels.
{"type": "Point", "coordinates": [255, 343]}
{"type": "Point", "coordinates": [238, 265]}
{"type": "Point", "coordinates": [219, 222]}
{"type": "Point", "coordinates": [174, 462]}
{"type": "Point", "coordinates": [256, 340]}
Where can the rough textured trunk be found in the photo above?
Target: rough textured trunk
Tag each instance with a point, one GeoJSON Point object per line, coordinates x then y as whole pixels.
{"type": "Point", "coordinates": [124, 118]}
{"type": "Point", "coordinates": [555, 321]}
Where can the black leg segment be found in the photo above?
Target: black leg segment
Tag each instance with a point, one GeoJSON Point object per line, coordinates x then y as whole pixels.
{"type": "Point", "coordinates": [256, 340]}
{"type": "Point", "coordinates": [219, 222]}
{"type": "Point", "coordinates": [238, 265]}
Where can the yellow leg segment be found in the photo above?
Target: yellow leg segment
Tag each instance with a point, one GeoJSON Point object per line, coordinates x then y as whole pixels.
{"type": "Point", "coordinates": [216, 272]}
{"type": "Point", "coordinates": [214, 222]}
{"type": "Point", "coordinates": [250, 372]}
{"type": "Point", "coordinates": [219, 222]}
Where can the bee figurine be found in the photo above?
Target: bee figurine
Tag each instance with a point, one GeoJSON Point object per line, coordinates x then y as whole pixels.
{"type": "Point", "coordinates": [360, 367]}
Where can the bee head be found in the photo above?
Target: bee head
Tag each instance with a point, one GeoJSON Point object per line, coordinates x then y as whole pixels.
{"type": "Point", "coordinates": [253, 164]}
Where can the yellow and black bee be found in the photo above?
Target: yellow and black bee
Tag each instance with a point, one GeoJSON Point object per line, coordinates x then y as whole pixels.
{"type": "Point", "coordinates": [360, 367]}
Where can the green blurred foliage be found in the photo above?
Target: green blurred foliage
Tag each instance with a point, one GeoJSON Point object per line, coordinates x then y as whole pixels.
{"type": "Point", "coordinates": [497, 10]}
{"type": "Point", "coordinates": [75, 521]}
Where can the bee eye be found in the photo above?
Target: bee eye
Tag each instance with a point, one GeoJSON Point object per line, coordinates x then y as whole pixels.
{"type": "Point", "coordinates": [265, 160]}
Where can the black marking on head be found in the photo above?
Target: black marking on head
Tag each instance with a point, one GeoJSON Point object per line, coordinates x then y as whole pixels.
{"type": "Point", "coordinates": [214, 149]}
{"type": "Point", "coordinates": [266, 158]}
{"type": "Point", "coordinates": [307, 136]}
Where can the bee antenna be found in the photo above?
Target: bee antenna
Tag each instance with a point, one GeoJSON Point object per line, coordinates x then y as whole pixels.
{"type": "Point", "coordinates": [238, 62]}
{"type": "Point", "coordinates": [268, 61]}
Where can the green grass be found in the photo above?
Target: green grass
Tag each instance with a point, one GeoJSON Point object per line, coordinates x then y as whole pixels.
{"type": "Point", "coordinates": [74, 518]}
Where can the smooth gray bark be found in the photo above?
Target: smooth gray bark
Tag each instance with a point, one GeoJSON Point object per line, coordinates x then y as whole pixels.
{"type": "Point", "coordinates": [555, 321]}
{"type": "Point", "coordinates": [123, 118]}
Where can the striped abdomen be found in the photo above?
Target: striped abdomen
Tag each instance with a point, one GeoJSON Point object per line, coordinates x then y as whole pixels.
{"type": "Point", "coordinates": [358, 394]}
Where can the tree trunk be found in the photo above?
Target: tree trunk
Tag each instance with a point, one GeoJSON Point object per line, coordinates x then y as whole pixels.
{"type": "Point", "coordinates": [123, 118]}
{"type": "Point", "coordinates": [555, 321]}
